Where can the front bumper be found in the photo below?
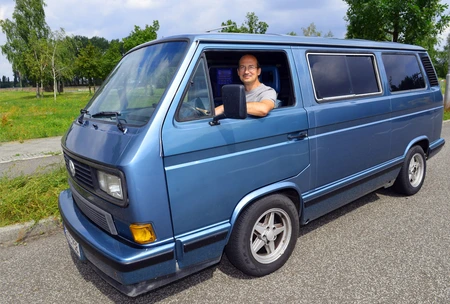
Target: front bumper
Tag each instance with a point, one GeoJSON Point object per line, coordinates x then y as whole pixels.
{"type": "Point", "coordinates": [123, 265]}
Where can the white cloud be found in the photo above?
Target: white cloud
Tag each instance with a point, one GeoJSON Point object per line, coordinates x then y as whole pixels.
{"type": "Point", "coordinates": [2, 12]}
{"type": "Point", "coordinates": [145, 4]}
{"type": "Point", "coordinates": [115, 19]}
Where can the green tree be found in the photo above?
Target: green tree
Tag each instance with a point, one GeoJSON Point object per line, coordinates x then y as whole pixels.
{"type": "Point", "coordinates": [37, 61]}
{"type": "Point", "coordinates": [408, 21]}
{"type": "Point", "coordinates": [230, 27]}
{"type": "Point", "coordinates": [25, 31]}
{"type": "Point", "coordinates": [139, 36]}
{"type": "Point", "coordinates": [311, 31]}
{"type": "Point", "coordinates": [101, 43]}
{"type": "Point", "coordinates": [251, 25]}
{"type": "Point", "coordinates": [80, 42]}
{"type": "Point", "coordinates": [111, 57]}
{"type": "Point", "coordinates": [441, 59]}
{"type": "Point", "coordinates": [88, 64]}
{"type": "Point", "coordinates": [62, 56]}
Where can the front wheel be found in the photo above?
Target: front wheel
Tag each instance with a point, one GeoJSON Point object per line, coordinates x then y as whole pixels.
{"type": "Point", "coordinates": [412, 175]}
{"type": "Point", "coordinates": [264, 236]}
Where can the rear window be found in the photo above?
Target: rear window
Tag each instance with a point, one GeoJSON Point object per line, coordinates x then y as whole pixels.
{"type": "Point", "coordinates": [336, 76]}
{"type": "Point", "coordinates": [403, 72]}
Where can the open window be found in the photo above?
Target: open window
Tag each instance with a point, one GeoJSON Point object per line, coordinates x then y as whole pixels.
{"type": "Point", "coordinates": [275, 72]}
{"type": "Point", "coordinates": [219, 67]}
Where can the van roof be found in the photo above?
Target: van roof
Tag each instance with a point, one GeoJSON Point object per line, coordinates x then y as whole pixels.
{"type": "Point", "coordinates": [291, 40]}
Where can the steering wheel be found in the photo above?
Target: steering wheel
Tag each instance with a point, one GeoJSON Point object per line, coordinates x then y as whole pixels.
{"type": "Point", "coordinates": [188, 111]}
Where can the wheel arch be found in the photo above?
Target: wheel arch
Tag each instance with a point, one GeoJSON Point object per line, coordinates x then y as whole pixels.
{"type": "Point", "coordinates": [288, 189]}
{"type": "Point", "coordinates": [421, 141]}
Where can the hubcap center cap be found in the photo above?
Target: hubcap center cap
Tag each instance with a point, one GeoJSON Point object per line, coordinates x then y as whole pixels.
{"type": "Point", "coordinates": [270, 236]}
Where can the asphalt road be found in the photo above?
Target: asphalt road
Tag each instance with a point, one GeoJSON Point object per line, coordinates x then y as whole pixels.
{"type": "Point", "coordinates": [382, 248]}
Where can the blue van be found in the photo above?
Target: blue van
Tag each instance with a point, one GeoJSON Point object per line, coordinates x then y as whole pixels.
{"type": "Point", "coordinates": [161, 187]}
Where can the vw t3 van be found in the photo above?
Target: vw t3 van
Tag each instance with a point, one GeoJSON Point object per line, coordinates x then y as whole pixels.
{"type": "Point", "coordinates": [161, 187]}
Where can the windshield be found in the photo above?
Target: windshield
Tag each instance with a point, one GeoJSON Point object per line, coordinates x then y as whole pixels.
{"type": "Point", "coordinates": [135, 87]}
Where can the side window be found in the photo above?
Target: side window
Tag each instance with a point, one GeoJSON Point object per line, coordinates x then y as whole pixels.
{"type": "Point", "coordinates": [343, 75]}
{"type": "Point", "coordinates": [197, 100]}
{"type": "Point", "coordinates": [275, 72]}
{"type": "Point", "coordinates": [403, 72]}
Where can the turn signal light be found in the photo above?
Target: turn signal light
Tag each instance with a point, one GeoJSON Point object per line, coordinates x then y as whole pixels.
{"type": "Point", "coordinates": [143, 233]}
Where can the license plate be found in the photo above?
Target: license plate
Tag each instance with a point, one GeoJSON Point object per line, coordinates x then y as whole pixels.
{"type": "Point", "coordinates": [73, 243]}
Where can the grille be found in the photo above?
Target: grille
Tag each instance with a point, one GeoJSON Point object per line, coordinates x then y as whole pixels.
{"type": "Point", "coordinates": [100, 217]}
{"type": "Point", "coordinates": [429, 70]}
{"type": "Point", "coordinates": [83, 172]}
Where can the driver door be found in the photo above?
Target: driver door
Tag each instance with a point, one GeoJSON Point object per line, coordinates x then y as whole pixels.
{"type": "Point", "coordinates": [209, 169]}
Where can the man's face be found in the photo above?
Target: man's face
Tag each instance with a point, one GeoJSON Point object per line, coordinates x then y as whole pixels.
{"type": "Point", "coordinates": [248, 70]}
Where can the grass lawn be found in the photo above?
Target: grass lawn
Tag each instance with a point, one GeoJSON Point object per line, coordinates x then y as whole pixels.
{"type": "Point", "coordinates": [446, 115]}
{"type": "Point", "coordinates": [23, 116]}
{"type": "Point", "coordinates": [32, 197]}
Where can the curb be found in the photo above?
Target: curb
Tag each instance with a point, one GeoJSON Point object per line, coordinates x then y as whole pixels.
{"type": "Point", "coordinates": [19, 233]}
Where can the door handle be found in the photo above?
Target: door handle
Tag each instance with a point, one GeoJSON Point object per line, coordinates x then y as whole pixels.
{"type": "Point", "coordinates": [299, 135]}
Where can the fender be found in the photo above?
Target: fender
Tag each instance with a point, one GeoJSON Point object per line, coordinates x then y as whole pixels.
{"type": "Point", "coordinates": [414, 142]}
{"type": "Point", "coordinates": [252, 196]}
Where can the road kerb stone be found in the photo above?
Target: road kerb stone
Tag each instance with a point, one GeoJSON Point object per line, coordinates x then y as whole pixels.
{"type": "Point", "coordinates": [19, 233]}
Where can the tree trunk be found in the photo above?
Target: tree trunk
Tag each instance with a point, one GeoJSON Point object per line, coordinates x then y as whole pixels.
{"type": "Point", "coordinates": [395, 36]}
{"type": "Point", "coordinates": [55, 83]}
{"type": "Point", "coordinates": [395, 31]}
{"type": "Point", "coordinates": [38, 95]}
{"type": "Point", "coordinates": [55, 86]}
{"type": "Point", "coordinates": [20, 80]}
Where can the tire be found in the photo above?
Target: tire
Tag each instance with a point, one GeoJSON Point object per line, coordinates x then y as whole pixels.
{"type": "Point", "coordinates": [264, 236]}
{"type": "Point", "coordinates": [412, 175]}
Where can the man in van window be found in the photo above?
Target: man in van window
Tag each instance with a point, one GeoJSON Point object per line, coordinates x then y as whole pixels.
{"type": "Point", "coordinates": [261, 99]}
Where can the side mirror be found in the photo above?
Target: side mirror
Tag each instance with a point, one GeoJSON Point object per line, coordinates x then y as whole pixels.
{"type": "Point", "coordinates": [234, 103]}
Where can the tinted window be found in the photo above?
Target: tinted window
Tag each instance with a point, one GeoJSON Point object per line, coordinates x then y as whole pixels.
{"type": "Point", "coordinates": [339, 75]}
{"type": "Point", "coordinates": [403, 72]}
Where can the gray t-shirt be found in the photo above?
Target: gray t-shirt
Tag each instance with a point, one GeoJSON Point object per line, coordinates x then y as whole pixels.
{"type": "Point", "coordinates": [262, 92]}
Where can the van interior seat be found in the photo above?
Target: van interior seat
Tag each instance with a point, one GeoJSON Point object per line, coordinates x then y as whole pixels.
{"type": "Point", "coordinates": [271, 78]}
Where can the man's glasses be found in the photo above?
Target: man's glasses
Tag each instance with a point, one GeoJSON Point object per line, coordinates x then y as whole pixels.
{"type": "Point", "coordinates": [250, 68]}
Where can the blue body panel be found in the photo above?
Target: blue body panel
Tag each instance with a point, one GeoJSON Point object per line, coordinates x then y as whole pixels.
{"type": "Point", "coordinates": [103, 145]}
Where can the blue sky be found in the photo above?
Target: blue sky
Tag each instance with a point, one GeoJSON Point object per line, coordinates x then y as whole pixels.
{"type": "Point", "coordinates": [115, 19]}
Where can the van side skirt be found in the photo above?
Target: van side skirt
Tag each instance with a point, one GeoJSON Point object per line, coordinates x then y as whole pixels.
{"type": "Point", "coordinates": [435, 147]}
{"type": "Point", "coordinates": [323, 204]}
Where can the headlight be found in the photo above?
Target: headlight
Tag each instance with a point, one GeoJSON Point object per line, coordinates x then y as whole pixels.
{"type": "Point", "coordinates": [111, 184]}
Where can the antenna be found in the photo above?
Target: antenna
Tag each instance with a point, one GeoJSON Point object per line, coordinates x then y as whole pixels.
{"type": "Point", "coordinates": [219, 28]}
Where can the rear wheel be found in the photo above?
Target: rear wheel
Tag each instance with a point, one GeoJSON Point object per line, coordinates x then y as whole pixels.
{"type": "Point", "coordinates": [412, 175]}
{"type": "Point", "coordinates": [264, 236]}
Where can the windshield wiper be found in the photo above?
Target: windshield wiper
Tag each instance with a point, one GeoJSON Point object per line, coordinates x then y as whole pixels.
{"type": "Point", "coordinates": [111, 114]}
{"type": "Point", "coordinates": [80, 118]}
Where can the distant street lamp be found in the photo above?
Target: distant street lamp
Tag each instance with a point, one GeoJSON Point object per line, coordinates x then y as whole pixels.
{"type": "Point", "coordinates": [447, 86]}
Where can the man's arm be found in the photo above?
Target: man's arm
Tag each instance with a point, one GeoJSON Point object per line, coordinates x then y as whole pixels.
{"type": "Point", "coordinates": [260, 108]}
{"type": "Point", "coordinates": [255, 108]}
{"type": "Point", "coordinates": [218, 110]}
